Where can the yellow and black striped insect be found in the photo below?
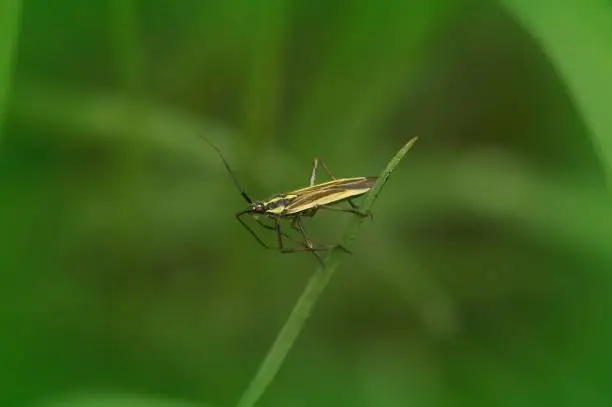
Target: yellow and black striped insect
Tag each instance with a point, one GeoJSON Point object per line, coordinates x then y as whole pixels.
{"type": "Point", "coordinates": [293, 205]}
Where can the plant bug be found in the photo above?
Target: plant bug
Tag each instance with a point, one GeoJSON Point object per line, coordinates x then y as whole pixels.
{"type": "Point", "coordinates": [293, 205]}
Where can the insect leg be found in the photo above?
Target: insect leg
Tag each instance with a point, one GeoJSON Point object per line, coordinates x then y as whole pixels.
{"type": "Point", "coordinates": [307, 246]}
{"type": "Point", "coordinates": [357, 211]}
{"type": "Point", "coordinates": [354, 210]}
{"type": "Point", "coordinates": [327, 170]}
{"type": "Point", "coordinates": [315, 165]}
{"type": "Point", "coordinates": [263, 225]}
{"type": "Point", "coordinates": [313, 173]}
{"type": "Point", "coordinates": [273, 228]}
{"type": "Point", "coordinates": [353, 204]}
{"type": "Point", "coordinates": [279, 234]}
{"type": "Point", "coordinates": [297, 223]}
{"type": "Point", "coordinates": [251, 231]}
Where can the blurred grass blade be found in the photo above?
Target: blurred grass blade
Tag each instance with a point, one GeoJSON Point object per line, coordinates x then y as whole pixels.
{"type": "Point", "coordinates": [9, 32]}
{"type": "Point", "coordinates": [577, 36]}
{"type": "Point", "coordinates": [316, 285]}
{"type": "Point", "coordinates": [127, 45]}
{"type": "Point", "coordinates": [366, 66]}
{"type": "Point", "coordinates": [265, 76]}
{"type": "Point", "coordinates": [113, 400]}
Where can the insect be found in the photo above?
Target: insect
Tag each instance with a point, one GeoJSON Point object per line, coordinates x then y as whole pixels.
{"type": "Point", "coordinates": [292, 206]}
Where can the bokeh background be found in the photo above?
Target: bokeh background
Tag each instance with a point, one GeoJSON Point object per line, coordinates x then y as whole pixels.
{"type": "Point", "coordinates": [483, 280]}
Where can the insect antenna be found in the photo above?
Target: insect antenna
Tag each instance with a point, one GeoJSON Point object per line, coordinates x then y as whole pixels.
{"type": "Point", "coordinates": [240, 188]}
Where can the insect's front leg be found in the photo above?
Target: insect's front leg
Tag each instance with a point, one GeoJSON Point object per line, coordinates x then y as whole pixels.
{"type": "Point", "coordinates": [251, 231]}
{"type": "Point", "coordinates": [273, 228]}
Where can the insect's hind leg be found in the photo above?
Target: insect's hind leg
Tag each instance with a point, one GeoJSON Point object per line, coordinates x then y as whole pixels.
{"type": "Point", "coordinates": [297, 225]}
{"type": "Point", "coordinates": [354, 210]}
{"type": "Point", "coordinates": [308, 246]}
{"type": "Point", "coordinates": [357, 211]}
{"type": "Point", "coordinates": [326, 168]}
{"type": "Point", "coordinates": [315, 166]}
{"type": "Point", "coordinates": [313, 173]}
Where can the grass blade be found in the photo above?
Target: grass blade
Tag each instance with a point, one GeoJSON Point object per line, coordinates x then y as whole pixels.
{"type": "Point", "coordinates": [576, 36]}
{"type": "Point", "coordinates": [317, 283]}
{"type": "Point", "coordinates": [9, 30]}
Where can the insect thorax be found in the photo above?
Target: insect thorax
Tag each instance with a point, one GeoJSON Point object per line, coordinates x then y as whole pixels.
{"type": "Point", "coordinates": [276, 206]}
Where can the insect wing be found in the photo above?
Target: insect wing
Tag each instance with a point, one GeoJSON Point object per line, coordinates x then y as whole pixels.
{"type": "Point", "coordinates": [329, 193]}
{"type": "Point", "coordinates": [344, 183]}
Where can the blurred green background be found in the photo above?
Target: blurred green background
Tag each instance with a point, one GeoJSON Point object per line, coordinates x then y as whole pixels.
{"type": "Point", "coordinates": [483, 280]}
